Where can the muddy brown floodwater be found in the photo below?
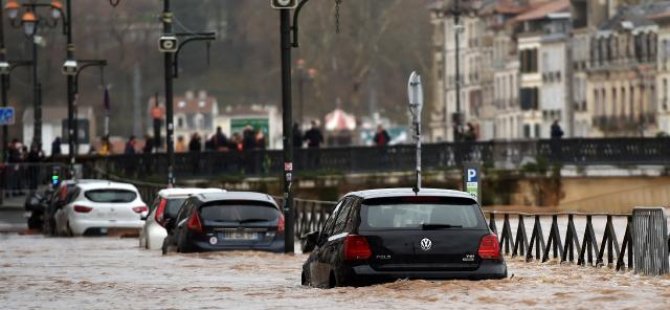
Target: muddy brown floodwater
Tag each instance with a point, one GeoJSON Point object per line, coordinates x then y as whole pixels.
{"type": "Point", "coordinates": [112, 273]}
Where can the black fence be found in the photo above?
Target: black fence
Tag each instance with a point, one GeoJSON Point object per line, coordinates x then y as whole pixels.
{"type": "Point", "coordinates": [585, 239]}
{"type": "Point", "coordinates": [581, 152]}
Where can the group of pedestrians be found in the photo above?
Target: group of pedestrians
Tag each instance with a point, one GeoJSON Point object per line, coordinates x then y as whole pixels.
{"type": "Point", "coordinates": [22, 169]}
{"type": "Point", "coordinates": [249, 139]}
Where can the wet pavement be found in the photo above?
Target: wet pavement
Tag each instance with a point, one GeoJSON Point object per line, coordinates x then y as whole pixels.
{"type": "Point", "coordinates": [112, 273]}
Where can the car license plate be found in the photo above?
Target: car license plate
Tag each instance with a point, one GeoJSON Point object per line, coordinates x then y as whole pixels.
{"type": "Point", "coordinates": [240, 235]}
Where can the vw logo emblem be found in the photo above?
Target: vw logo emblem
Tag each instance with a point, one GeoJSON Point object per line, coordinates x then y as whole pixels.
{"type": "Point", "coordinates": [426, 244]}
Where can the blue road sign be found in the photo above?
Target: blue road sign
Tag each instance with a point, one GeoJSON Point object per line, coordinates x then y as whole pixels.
{"type": "Point", "coordinates": [7, 116]}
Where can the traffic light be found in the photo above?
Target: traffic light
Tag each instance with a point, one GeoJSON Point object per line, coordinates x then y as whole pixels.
{"type": "Point", "coordinates": [284, 4]}
{"type": "Point", "coordinates": [55, 177]}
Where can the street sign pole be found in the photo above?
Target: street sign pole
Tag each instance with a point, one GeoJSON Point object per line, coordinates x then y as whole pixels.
{"type": "Point", "coordinates": [415, 94]}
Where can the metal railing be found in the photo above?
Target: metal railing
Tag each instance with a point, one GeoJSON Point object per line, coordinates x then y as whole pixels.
{"type": "Point", "coordinates": [357, 159]}
{"type": "Point", "coordinates": [572, 237]}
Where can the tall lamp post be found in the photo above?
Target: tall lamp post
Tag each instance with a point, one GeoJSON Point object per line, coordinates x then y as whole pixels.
{"type": "Point", "coordinates": [288, 29]}
{"type": "Point", "coordinates": [169, 44]}
{"type": "Point", "coordinates": [30, 22]}
{"type": "Point", "coordinates": [6, 67]}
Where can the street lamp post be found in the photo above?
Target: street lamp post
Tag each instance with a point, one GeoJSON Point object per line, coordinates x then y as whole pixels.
{"type": "Point", "coordinates": [169, 45]}
{"type": "Point", "coordinates": [30, 22]}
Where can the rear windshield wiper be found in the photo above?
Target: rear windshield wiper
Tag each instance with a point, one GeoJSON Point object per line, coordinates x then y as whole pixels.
{"type": "Point", "coordinates": [439, 226]}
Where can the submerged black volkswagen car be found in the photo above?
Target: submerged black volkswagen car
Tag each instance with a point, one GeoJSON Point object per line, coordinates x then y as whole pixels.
{"type": "Point", "coordinates": [388, 234]}
{"type": "Point", "coordinates": [227, 221]}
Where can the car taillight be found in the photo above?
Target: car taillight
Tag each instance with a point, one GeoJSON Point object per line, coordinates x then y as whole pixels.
{"type": "Point", "coordinates": [140, 209]}
{"type": "Point", "coordinates": [356, 248]}
{"type": "Point", "coordinates": [82, 209]}
{"type": "Point", "coordinates": [489, 248]}
{"type": "Point", "coordinates": [281, 226]}
{"type": "Point", "coordinates": [160, 211]}
{"type": "Point", "coordinates": [194, 223]}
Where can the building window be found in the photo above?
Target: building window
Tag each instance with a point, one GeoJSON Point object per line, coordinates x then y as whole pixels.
{"type": "Point", "coordinates": [529, 98]}
{"type": "Point", "coordinates": [526, 131]}
{"type": "Point", "coordinates": [615, 103]}
{"type": "Point", "coordinates": [537, 130]}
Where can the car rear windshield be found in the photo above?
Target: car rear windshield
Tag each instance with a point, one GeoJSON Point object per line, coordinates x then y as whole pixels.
{"type": "Point", "coordinates": [421, 215]}
{"type": "Point", "coordinates": [239, 212]}
{"type": "Point", "coordinates": [111, 195]}
{"type": "Point", "coordinates": [173, 206]}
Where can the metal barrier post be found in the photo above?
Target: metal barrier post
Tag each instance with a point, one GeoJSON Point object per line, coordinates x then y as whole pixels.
{"type": "Point", "coordinates": [650, 244]}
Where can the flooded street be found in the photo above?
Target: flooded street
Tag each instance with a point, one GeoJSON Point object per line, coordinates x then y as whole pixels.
{"type": "Point", "coordinates": [80, 273]}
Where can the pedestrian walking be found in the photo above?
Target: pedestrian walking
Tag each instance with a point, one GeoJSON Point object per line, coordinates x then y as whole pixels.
{"type": "Point", "coordinates": [56, 147]}
{"type": "Point", "coordinates": [130, 146]}
{"type": "Point", "coordinates": [195, 145]}
{"type": "Point", "coordinates": [220, 141]}
{"type": "Point", "coordinates": [248, 138]}
{"type": "Point", "coordinates": [105, 147]}
{"type": "Point", "coordinates": [556, 136]}
{"type": "Point", "coordinates": [33, 158]}
{"type": "Point", "coordinates": [313, 136]}
{"type": "Point", "coordinates": [180, 147]}
{"type": "Point", "coordinates": [381, 137]}
{"type": "Point", "coordinates": [556, 131]}
{"type": "Point", "coordinates": [148, 145]}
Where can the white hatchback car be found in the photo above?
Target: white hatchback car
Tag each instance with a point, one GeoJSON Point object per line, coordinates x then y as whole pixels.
{"type": "Point", "coordinates": [98, 206]}
{"type": "Point", "coordinates": [165, 206]}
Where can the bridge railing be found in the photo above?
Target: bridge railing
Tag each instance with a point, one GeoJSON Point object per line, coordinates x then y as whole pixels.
{"type": "Point", "coordinates": [360, 159]}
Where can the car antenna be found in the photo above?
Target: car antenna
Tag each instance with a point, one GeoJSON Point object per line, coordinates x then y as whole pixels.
{"type": "Point", "coordinates": [415, 94]}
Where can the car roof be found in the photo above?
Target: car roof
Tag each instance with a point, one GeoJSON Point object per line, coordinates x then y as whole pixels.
{"type": "Point", "coordinates": [406, 191]}
{"type": "Point", "coordinates": [186, 191]}
{"type": "Point", "coordinates": [81, 181]}
{"type": "Point", "coordinates": [106, 184]}
{"type": "Point", "coordinates": [254, 196]}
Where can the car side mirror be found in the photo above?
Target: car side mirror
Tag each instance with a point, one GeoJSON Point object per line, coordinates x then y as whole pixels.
{"type": "Point", "coordinates": [309, 241]}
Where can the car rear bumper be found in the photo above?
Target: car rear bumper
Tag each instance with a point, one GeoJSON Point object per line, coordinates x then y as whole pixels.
{"type": "Point", "coordinates": [486, 270]}
{"type": "Point", "coordinates": [80, 226]}
{"type": "Point", "coordinates": [155, 234]}
{"type": "Point", "coordinates": [274, 246]}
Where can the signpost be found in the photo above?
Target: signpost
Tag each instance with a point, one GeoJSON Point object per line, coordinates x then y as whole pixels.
{"type": "Point", "coordinates": [471, 178]}
{"type": "Point", "coordinates": [7, 116]}
{"type": "Point", "coordinates": [415, 94]}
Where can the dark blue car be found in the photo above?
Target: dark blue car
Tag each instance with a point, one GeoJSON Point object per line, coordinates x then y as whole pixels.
{"type": "Point", "coordinates": [227, 221]}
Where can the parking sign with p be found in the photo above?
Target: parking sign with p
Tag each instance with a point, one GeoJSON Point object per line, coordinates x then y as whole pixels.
{"type": "Point", "coordinates": [7, 116]}
{"type": "Point", "coordinates": [471, 180]}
